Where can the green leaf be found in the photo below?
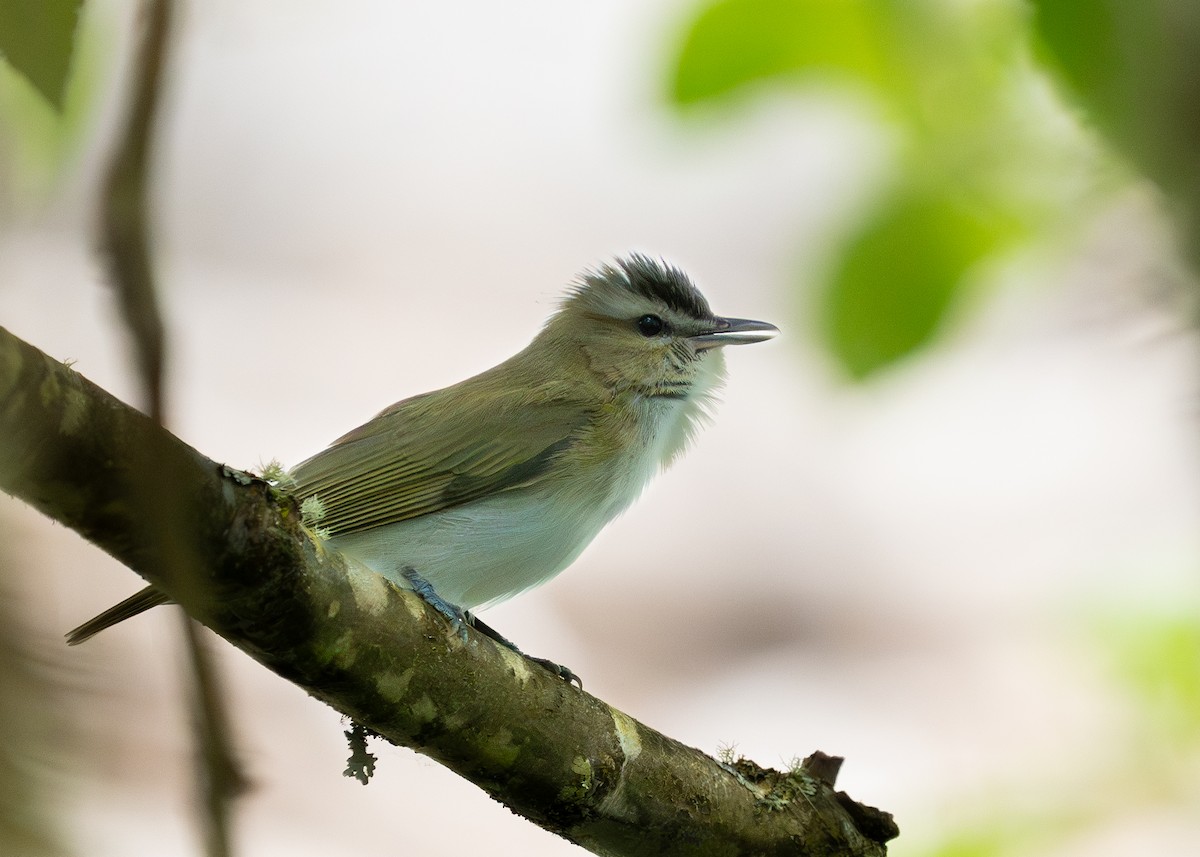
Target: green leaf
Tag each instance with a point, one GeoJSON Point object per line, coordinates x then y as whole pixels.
{"type": "Point", "coordinates": [734, 42]}
{"type": "Point", "coordinates": [37, 37]}
{"type": "Point", "coordinates": [900, 274]}
{"type": "Point", "coordinates": [1134, 68]}
{"type": "Point", "coordinates": [1083, 36]}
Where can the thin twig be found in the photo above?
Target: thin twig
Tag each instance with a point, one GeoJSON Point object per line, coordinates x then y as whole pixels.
{"type": "Point", "coordinates": [125, 231]}
{"type": "Point", "coordinates": [126, 237]}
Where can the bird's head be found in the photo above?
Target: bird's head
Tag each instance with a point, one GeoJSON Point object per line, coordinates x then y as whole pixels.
{"type": "Point", "coordinates": [644, 326]}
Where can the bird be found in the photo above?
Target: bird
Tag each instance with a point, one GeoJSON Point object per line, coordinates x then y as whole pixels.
{"type": "Point", "coordinates": [477, 492]}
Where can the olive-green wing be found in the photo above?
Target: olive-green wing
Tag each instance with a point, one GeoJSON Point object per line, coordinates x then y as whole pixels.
{"type": "Point", "coordinates": [414, 459]}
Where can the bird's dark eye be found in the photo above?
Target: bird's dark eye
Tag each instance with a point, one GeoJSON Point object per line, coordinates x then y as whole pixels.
{"type": "Point", "coordinates": [650, 325]}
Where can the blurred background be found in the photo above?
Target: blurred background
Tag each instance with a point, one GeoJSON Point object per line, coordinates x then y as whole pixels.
{"type": "Point", "coordinates": [945, 526]}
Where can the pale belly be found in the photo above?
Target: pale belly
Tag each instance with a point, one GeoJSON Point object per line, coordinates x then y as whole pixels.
{"type": "Point", "coordinates": [485, 552]}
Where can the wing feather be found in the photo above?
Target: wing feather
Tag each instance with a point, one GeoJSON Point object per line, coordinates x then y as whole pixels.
{"type": "Point", "coordinates": [410, 461]}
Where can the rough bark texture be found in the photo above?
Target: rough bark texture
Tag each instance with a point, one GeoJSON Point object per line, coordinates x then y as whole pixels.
{"type": "Point", "coordinates": [547, 750]}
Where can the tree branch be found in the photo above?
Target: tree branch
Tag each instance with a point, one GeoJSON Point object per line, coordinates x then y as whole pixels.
{"type": "Point", "coordinates": [552, 753]}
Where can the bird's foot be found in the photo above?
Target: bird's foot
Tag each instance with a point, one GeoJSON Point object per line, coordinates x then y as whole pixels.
{"type": "Point", "coordinates": [457, 617]}
{"type": "Point", "coordinates": [565, 673]}
{"type": "Point", "coordinates": [459, 620]}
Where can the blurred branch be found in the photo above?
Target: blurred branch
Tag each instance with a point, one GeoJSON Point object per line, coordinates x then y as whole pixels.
{"type": "Point", "coordinates": [378, 654]}
{"type": "Point", "coordinates": [124, 210]}
{"type": "Point", "coordinates": [219, 778]}
{"type": "Point", "coordinates": [126, 240]}
{"type": "Point", "coordinates": [34, 733]}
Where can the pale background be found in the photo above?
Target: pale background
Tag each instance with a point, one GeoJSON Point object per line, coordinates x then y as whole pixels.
{"type": "Point", "coordinates": [362, 201]}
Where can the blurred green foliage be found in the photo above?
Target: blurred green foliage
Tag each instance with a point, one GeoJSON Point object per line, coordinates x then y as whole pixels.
{"type": "Point", "coordinates": [37, 37]}
{"type": "Point", "coordinates": [1135, 69]}
{"type": "Point", "coordinates": [734, 43]}
{"type": "Point", "coordinates": [1157, 661]}
{"type": "Point", "coordinates": [48, 78]}
{"type": "Point", "coordinates": [1153, 662]}
{"type": "Point", "coordinates": [900, 273]}
{"type": "Point", "coordinates": [987, 158]}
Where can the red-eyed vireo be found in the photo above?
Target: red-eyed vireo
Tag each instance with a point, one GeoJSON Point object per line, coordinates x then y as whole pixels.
{"type": "Point", "coordinates": [477, 492]}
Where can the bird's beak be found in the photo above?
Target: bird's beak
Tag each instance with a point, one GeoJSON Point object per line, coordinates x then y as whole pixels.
{"type": "Point", "coordinates": [734, 331]}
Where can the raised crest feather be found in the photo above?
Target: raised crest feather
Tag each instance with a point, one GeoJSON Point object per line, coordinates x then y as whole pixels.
{"type": "Point", "coordinates": [650, 278]}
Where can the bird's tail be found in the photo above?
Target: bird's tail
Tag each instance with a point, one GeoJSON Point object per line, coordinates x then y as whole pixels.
{"type": "Point", "coordinates": [137, 603]}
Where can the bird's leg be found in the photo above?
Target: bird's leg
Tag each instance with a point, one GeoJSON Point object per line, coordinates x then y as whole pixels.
{"type": "Point", "coordinates": [455, 614]}
{"type": "Point", "coordinates": [460, 619]}
{"type": "Point", "coordinates": [559, 670]}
